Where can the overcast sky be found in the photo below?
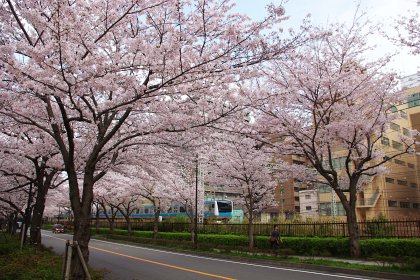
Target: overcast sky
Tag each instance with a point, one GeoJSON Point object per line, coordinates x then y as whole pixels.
{"type": "Point", "coordinates": [329, 11]}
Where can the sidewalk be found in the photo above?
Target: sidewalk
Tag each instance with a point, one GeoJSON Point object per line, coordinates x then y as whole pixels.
{"type": "Point", "coordinates": [333, 259]}
{"type": "Point", "coordinates": [365, 262]}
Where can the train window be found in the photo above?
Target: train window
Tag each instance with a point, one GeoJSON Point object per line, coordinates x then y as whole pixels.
{"type": "Point", "coordinates": [182, 209]}
{"type": "Point", "coordinates": [224, 206]}
{"type": "Point", "coordinates": [146, 211]}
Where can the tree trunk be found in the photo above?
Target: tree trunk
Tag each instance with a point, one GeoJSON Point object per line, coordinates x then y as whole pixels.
{"type": "Point", "coordinates": [128, 225]}
{"type": "Point", "coordinates": [26, 222]}
{"type": "Point", "coordinates": [37, 214]}
{"type": "Point", "coordinates": [111, 224]}
{"type": "Point", "coordinates": [353, 233]}
{"type": "Point", "coordinates": [12, 223]}
{"type": "Point", "coordinates": [353, 228]}
{"type": "Point", "coordinates": [156, 224]}
{"type": "Point", "coordinates": [82, 209]}
{"type": "Point", "coordinates": [82, 236]}
{"type": "Point", "coordinates": [251, 232]}
{"type": "Point", "coordinates": [36, 223]}
{"type": "Point", "coordinates": [97, 220]}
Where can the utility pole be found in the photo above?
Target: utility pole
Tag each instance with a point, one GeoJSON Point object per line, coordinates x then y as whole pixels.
{"type": "Point", "coordinates": [196, 206]}
{"type": "Point", "coordinates": [333, 204]}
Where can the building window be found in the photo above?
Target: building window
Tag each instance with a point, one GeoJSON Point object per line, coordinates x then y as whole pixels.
{"type": "Point", "coordinates": [389, 180]}
{"type": "Point", "coordinates": [309, 208]}
{"type": "Point", "coordinates": [414, 100]}
{"type": "Point", "coordinates": [404, 204]}
{"type": "Point", "coordinates": [297, 208]}
{"type": "Point", "coordinates": [406, 132]}
{"type": "Point", "coordinates": [385, 141]}
{"type": "Point", "coordinates": [416, 205]}
{"type": "Point", "coordinates": [325, 209]}
{"type": "Point", "coordinates": [307, 196]}
{"type": "Point", "coordinates": [397, 145]}
{"type": "Point", "coordinates": [400, 162]}
{"type": "Point", "coordinates": [296, 189]}
{"type": "Point", "coordinates": [402, 182]}
{"type": "Point", "coordinates": [323, 188]}
{"type": "Point", "coordinates": [413, 185]}
{"type": "Point", "coordinates": [340, 209]}
{"type": "Point", "coordinates": [410, 165]}
{"type": "Point", "coordinates": [298, 162]}
{"type": "Point", "coordinates": [339, 163]}
{"type": "Point", "coordinates": [394, 126]}
{"type": "Point", "coordinates": [392, 203]}
{"type": "Point", "coordinates": [296, 198]}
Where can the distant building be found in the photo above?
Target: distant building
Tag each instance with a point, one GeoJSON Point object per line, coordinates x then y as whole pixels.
{"type": "Point", "coordinates": [309, 204]}
{"type": "Point", "coordinates": [396, 194]}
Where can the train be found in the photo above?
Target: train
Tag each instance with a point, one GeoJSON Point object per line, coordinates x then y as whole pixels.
{"type": "Point", "coordinates": [215, 210]}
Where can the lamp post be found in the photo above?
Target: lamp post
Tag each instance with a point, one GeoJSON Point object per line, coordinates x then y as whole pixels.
{"type": "Point", "coordinates": [196, 206]}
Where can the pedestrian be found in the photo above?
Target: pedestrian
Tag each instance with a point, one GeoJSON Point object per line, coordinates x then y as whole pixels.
{"type": "Point", "coordinates": [275, 238]}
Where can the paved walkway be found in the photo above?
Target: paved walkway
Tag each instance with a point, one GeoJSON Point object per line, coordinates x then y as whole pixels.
{"type": "Point", "coordinates": [365, 262]}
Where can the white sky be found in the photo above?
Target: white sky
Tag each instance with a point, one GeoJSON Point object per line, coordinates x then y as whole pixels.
{"type": "Point", "coordinates": [324, 12]}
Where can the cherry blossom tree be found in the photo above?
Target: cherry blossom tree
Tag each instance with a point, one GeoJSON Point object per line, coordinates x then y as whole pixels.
{"type": "Point", "coordinates": [408, 30]}
{"type": "Point", "coordinates": [185, 192]}
{"type": "Point", "coordinates": [118, 198]}
{"type": "Point", "coordinates": [12, 204]}
{"type": "Point", "coordinates": [243, 167]}
{"type": "Point", "coordinates": [153, 189]}
{"type": "Point", "coordinates": [96, 76]}
{"type": "Point", "coordinates": [329, 103]}
{"type": "Point", "coordinates": [30, 160]}
{"type": "Point", "coordinates": [109, 204]}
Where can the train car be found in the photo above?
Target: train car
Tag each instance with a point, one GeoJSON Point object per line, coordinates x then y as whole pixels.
{"type": "Point", "coordinates": [219, 211]}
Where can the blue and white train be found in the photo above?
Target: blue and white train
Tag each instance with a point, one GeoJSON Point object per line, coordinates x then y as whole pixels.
{"type": "Point", "coordinates": [219, 210]}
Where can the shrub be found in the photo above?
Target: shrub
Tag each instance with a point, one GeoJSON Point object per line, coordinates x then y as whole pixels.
{"type": "Point", "coordinates": [224, 240]}
{"type": "Point", "coordinates": [379, 227]}
{"type": "Point", "coordinates": [391, 247]}
{"type": "Point", "coordinates": [310, 246]}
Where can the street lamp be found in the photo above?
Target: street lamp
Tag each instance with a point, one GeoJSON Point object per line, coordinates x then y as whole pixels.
{"type": "Point", "coordinates": [196, 206]}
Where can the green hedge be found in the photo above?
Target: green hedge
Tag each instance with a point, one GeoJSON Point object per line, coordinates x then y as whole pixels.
{"type": "Point", "coordinates": [391, 247]}
{"type": "Point", "coordinates": [309, 246]}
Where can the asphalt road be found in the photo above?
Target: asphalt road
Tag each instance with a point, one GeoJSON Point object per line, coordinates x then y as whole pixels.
{"type": "Point", "coordinates": [130, 262]}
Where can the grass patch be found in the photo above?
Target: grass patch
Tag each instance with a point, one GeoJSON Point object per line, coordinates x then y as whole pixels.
{"type": "Point", "coordinates": [30, 262]}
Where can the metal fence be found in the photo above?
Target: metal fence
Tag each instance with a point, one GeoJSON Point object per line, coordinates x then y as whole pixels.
{"type": "Point", "coordinates": [372, 229]}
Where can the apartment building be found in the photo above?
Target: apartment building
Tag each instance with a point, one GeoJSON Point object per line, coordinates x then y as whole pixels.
{"type": "Point", "coordinates": [395, 194]}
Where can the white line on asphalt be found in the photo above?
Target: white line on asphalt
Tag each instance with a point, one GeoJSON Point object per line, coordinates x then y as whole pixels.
{"type": "Point", "coordinates": [235, 262]}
